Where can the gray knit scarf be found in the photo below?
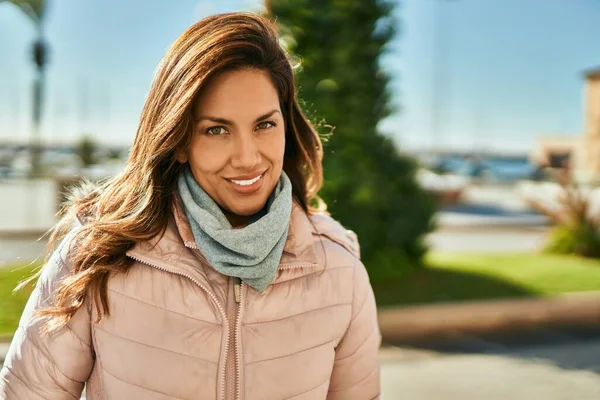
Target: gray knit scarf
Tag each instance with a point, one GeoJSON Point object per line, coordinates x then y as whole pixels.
{"type": "Point", "coordinates": [251, 253]}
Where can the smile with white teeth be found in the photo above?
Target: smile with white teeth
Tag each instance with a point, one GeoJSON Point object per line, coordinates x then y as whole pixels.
{"type": "Point", "coordinates": [246, 183]}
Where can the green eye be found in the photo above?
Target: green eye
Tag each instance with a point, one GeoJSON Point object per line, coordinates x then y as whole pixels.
{"type": "Point", "coordinates": [265, 125]}
{"type": "Point", "coordinates": [216, 131]}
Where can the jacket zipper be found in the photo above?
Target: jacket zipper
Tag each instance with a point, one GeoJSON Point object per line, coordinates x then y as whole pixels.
{"type": "Point", "coordinates": [236, 292]}
{"type": "Point", "coordinates": [239, 299]}
{"type": "Point", "coordinates": [214, 299]}
{"type": "Point", "coordinates": [295, 266]}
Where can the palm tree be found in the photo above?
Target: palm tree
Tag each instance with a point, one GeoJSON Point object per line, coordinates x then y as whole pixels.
{"type": "Point", "coordinates": [35, 10]}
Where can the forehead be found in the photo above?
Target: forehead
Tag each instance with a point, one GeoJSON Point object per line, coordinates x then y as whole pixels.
{"type": "Point", "coordinates": [234, 94]}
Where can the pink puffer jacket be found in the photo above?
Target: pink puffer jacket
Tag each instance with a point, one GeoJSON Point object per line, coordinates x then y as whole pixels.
{"type": "Point", "coordinates": [180, 330]}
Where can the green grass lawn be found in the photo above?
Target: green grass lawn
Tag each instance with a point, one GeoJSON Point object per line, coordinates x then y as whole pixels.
{"type": "Point", "coordinates": [448, 277]}
{"type": "Point", "coordinates": [462, 277]}
{"type": "Point", "coordinates": [11, 304]}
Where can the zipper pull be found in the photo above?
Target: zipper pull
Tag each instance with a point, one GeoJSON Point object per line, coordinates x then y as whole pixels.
{"type": "Point", "coordinates": [237, 290]}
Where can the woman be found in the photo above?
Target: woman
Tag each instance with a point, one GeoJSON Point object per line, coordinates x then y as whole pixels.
{"type": "Point", "coordinates": [201, 271]}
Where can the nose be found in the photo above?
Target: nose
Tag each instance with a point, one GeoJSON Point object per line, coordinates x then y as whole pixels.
{"type": "Point", "coordinates": [246, 153]}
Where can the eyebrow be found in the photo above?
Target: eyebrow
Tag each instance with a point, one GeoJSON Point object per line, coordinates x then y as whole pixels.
{"type": "Point", "coordinates": [228, 122]}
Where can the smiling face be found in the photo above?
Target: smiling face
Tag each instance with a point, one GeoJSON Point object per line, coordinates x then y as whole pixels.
{"type": "Point", "coordinates": [238, 143]}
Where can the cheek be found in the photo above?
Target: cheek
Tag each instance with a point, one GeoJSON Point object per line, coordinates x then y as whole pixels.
{"type": "Point", "coordinates": [207, 155]}
{"type": "Point", "coordinates": [275, 147]}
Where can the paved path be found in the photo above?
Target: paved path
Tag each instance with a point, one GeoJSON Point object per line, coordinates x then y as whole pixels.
{"type": "Point", "coordinates": [486, 239]}
{"type": "Point", "coordinates": [557, 372]}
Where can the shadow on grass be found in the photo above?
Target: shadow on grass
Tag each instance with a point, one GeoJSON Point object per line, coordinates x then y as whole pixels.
{"type": "Point", "coordinates": [430, 285]}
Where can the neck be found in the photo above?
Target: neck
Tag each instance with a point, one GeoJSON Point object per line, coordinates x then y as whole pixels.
{"type": "Point", "coordinates": [236, 221]}
{"type": "Point", "coordinates": [241, 221]}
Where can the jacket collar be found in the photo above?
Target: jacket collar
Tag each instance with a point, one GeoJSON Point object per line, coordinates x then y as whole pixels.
{"type": "Point", "coordinates": [176, 250]}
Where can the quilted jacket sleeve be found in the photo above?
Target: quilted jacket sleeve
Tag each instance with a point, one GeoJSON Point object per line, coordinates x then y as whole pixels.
{"type": "Point", "coordinates": [356, 369]}
{"type": "Point", "coordinates": [48, 367]}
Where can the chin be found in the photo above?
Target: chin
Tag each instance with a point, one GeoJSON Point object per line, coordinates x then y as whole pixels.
{"type": "Point", "coordinates": [247, 208]}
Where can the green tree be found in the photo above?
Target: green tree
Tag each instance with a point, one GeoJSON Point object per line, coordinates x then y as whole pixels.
{"type": "Point", "coordinates": [86, 150]}
{"type": "Point", "coordinates": [369, 186]}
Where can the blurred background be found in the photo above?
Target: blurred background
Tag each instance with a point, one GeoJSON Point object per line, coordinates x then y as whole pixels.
{"type": "Point", "coordinates": [465, 154]}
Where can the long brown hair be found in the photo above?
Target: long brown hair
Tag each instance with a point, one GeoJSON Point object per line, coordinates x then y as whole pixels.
{"type": "Point", "coordinates": [135, 205]}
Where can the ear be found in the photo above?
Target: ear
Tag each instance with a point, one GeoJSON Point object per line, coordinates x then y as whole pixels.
{"type": "Point", "coordinates": [181, 156]}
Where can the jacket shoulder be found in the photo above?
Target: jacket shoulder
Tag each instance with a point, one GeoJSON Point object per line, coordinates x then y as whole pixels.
{"type": "Point", "coordinates": [325, 226]}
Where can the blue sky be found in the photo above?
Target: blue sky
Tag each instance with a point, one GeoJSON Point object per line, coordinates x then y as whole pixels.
{"type": "Point", "coordinates": [487, 73]}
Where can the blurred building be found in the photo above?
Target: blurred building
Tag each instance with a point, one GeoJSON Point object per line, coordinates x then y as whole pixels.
{"type": "Point", "coordinates": [590, 158]}
{"type": "Point", "coordinates": [557, 151]}
{"type": "Point", "coordinates": [580, 152]}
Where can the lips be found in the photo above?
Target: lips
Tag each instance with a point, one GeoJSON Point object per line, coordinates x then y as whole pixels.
{"type": "Point", "coordinates": [247, 177]}
{"type": "Point", "coordinates": [247, 184]}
